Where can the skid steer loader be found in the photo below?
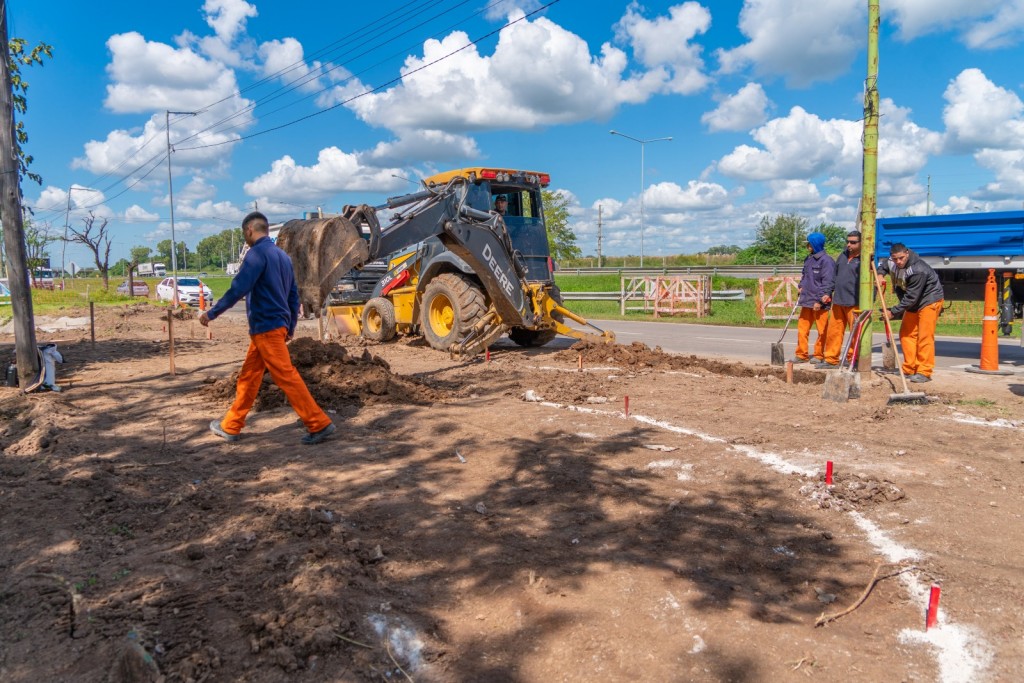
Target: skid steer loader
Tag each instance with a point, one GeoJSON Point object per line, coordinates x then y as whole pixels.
{"type": "Point", "coordinates": [460, 274]}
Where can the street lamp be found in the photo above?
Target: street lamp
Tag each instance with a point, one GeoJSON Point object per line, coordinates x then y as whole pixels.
{"type": "Point", "coordinates": [170, 194]}
{"type": "Point", "coordinates": [67, 221]}
{"type": "Point", "coordinates": [642, 143]}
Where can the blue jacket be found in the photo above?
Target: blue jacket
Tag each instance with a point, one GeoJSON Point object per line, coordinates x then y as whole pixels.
{"type": "Point", "coordinates": [846, 291]}
{"type": "Point", "coordinates": [267, 282]}
{"type": "Point", "coordinates": [817, 279]}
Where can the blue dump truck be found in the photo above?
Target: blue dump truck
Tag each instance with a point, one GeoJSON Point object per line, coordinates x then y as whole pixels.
{"type": "Point", "coordinates": [962, 248]}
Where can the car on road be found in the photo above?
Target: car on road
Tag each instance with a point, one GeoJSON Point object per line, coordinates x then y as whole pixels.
{"type": "Point", "coordinates": [188, 291]}
{"type": "Point", "coordinates": [140, 288]}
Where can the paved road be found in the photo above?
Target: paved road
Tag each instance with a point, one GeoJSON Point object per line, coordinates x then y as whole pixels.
{"type": "Point", "coordinates": [751, 344]}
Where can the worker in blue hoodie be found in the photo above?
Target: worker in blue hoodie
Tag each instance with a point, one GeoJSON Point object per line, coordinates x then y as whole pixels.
{"type": "Point", "coordinates": [816, 283]}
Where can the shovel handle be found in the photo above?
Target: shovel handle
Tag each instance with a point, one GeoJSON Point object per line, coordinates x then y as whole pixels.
{"type": "Point", "coordinates": [888, 328]}
{"type": "Point", "coordinates": [788, 321]}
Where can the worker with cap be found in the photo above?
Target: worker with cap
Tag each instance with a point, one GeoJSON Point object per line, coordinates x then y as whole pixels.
{"type": "Point", "coordinates": [843, 297]}
{"type": "Point", "coordinates": [500, 204]}
{"type": "Point", "coordinates": [816, 281]}
{"type": "Point", "coordinates": [921, 299]}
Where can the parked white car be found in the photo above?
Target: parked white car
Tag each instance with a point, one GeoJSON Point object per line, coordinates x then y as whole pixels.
{"type": "Point", "coordinates": [188, 291]}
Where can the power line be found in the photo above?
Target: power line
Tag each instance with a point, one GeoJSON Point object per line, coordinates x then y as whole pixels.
{"type": "Point", "coordinates": [377, 88]}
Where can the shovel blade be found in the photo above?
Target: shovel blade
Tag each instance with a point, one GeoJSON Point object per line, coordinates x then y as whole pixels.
{"type": "Point", "coordinates": [778, 354]}
{"type": "Point", "coordinates": [841, 386]}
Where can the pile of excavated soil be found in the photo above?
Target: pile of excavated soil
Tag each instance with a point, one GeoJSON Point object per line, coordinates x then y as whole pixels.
{"type": "Point", "coordinates": [335, 378]}
{"type": "Point", "coordinates": [638, 357]}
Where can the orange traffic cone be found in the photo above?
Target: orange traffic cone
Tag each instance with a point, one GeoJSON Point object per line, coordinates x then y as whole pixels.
{"type": "Point", "coordinates": [989, 364]}
{"type": "Point", "coordinates": [202, 299]}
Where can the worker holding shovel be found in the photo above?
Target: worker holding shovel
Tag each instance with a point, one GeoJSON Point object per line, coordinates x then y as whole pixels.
{"type": "Point", "coordinates": [921, 298]}
{"type": "Point", "coordinates": [816, 281]}
{"type": "Point", "coordinates": [844, 298]}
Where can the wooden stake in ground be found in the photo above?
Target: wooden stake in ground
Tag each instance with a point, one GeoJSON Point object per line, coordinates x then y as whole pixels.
{"type": "Point", "coordinates": [92, 322]}
{"type": "Point", "coordinates": [170, 337]}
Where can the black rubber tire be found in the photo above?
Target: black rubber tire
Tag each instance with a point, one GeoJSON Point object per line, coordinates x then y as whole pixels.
{"type": "Point", "coordinates": [535, 338]}
{"type": "Point", "coordinates": [452, 303]}
{"type": "Point", "coordinates": [379, 319]}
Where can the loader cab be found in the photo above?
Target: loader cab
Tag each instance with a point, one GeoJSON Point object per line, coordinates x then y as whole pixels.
{"type": "Point", "coordinates": [524, 217]}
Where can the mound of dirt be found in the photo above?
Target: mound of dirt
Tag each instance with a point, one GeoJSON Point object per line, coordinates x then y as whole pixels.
{"type": "Point", "coordinates": [638, 357]}
{"type": "Point", "coordinates": [853, 492]}
{"type": "Point", "coordinates": [335, 378]}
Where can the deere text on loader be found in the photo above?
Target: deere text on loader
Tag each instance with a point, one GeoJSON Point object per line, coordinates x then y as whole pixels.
{"type": "Point", "coordinates": [459, 273]}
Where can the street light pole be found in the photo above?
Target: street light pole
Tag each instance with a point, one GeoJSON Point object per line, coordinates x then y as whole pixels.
{"type": "Point", "coordinates": [170, 194]}
{"type": "Point", "coordinates": [643, 143]}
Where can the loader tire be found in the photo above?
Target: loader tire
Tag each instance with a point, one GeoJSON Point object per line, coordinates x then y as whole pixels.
{"type": "Point", "coordinates": [379, 319]}
{"type": "Point", "coordinates": [535, 338]}
{"type": "Point", "coordinates": [452, 304]}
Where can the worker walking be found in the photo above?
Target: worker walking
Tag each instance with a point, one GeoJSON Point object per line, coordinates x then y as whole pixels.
{"type": "Point", "coordinates": [844, 297]}
{"type": "Point", "coordinates": [267, 282]}
{"type": "Point", "coordinates": [921, 298]}
{"type": "Point", "coordinates": [816, 282]}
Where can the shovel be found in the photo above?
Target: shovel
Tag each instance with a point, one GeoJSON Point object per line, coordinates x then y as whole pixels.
{"type": "Point", "coordinates": [907, 396]}
{"type": "Point", "coordinates": [888, 352]}
{"type": "Point", "coordinates": [843, 384]}
{"type": "Point", "coordinates": [778, 350]}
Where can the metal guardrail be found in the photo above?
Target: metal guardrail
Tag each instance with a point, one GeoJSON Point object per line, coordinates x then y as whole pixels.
{"type": "Point", "coordinates": [720, 295]}
{"type": "Point", "coordinates": [730, 271]}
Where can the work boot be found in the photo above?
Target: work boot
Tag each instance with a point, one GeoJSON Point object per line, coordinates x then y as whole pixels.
{"type": "Point", "coordinates": [825, 365]}
{"type": "Point", "coordinates": [919, 379]}
{"type": "Point", "coordinates": [797, 361]}
{"type": "Point", "coordinates": [316, 437]}
{"type": "Point", "coordinates": [219, 431]}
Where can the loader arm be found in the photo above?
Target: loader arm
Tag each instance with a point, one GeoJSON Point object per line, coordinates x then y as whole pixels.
{"type": "Point", "coordinates": [324, 249]}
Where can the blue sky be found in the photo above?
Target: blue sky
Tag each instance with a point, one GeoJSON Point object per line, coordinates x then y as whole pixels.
{"type": "Point", "coordinates": [763, 100]}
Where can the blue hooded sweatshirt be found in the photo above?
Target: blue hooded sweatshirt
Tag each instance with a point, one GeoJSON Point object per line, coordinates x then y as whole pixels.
{"type": "Point", "coordinates": [819, 274]}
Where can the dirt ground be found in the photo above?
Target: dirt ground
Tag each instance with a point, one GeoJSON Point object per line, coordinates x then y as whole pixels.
{"type": "Point", "coordinates": [502, 520]}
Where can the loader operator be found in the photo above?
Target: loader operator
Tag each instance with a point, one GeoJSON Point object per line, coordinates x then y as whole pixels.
{"type": "Point", "coordinates": [843, 296]}
{"type": "Point", "coordinates": [267, 282]}
{"type": "Point", "coordinates": [501, 205]}
{"type": "Point", "coordinates": [921, 298]}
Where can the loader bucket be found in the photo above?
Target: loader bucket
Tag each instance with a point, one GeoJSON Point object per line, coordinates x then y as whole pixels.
{"type": "Point", "coordinates": [348, 320]}
{"type": "Point", "coordinates": [321, 250]}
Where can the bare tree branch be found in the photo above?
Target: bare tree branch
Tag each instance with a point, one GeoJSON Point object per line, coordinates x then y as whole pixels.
{"type": "Point", "coordinates": [97, 238]}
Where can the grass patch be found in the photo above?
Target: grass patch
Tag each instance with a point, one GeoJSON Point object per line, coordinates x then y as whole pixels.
{"type": "Point", "coordinates": [977, 402]}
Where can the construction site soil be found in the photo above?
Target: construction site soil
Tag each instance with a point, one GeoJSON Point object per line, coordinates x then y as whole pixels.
{"type": "Point", "coordinates": [506, 519]}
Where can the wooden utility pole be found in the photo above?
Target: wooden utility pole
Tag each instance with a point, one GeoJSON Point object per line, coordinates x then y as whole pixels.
{"type": "Point", "coordinates": [14, 230]}
{"type": "Point", "coordinates": [870, 188]}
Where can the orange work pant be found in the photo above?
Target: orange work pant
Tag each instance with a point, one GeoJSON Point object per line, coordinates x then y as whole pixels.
{"type": "Point", "coordinates": [917, 339]}
{"type": "Point", "coordinates": [839, 320]}
{"type": "Point", "coordinates": [268, 351]}
{"type": "Point", "coordinates": [819, 319]}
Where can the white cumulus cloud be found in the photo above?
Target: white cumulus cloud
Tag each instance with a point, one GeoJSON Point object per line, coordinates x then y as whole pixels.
{"type": "Point", "coordinates": [741, 111]}
{"type": "Point", "coordinates": [979, 113]}
{"type": "Point", "coordinates": [801, 41]}
{"type": "Point", "coordinates": [697, 195]}
{"type": "Point", "coordinates": [335, 171]}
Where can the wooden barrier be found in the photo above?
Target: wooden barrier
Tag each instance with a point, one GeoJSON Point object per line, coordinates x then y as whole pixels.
{"type": "Point", "coordinates": [776, 294]}
{"type": "Point", "coordinates": [667, 294]}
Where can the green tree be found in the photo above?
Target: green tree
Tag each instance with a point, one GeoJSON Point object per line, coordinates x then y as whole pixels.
{"type": "Point", "coordinates": [140, 254]}
{"type": "Point", "coordinates": [775, 239]}
{"type": "Point", "coordinates": [17, 58]}
{"type": "Point", "coordinates": [561, 238]}
{"type": "Point", "coordinates": [835, 237]}
{"type": "Point", "coordinates": [215, 250]}
{"type": "Point", "coordinates": [37, 239]}
{"type": "Point", "coordinates": [163, 252]}
{"type": "Point", "coordinates": [723, 249]}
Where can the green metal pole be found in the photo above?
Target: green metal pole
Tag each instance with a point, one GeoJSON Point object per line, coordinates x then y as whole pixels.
{"type": "Point", "coordinates": [869, 201]}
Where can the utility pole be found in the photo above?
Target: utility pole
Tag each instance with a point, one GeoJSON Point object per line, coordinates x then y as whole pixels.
{"type": "Point", "coordinates": [928, 202]}
{"type": "Point", "coordinates": [600, 237]}
{"type": "Point", "coordinates": [170, 194]}
{"type": "Point", "coordinates": [26, 353]}
{"type": "Point", "coordinates": [870, 187]}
